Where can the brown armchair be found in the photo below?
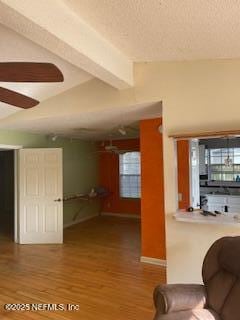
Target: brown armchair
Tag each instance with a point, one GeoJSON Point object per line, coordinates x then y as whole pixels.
{"type": "Point", "coordinates": [217, 299]}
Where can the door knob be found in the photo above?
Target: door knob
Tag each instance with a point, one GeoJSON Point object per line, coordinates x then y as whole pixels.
{"type": "Point", "coordinates": [58, 200]}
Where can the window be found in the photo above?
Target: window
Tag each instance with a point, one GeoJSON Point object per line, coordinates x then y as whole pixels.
{"type": "Point", "coordinates": [218, 170]}
{"type": "Point", "coordinates": [129, 174]}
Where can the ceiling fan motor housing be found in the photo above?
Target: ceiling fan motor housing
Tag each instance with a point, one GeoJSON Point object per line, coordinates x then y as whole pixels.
{"type": "Point", "coordinates": [111, 148]}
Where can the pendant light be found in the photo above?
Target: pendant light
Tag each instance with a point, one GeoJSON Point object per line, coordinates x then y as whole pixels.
{"type": "Point", "coordinates": [228, 161]}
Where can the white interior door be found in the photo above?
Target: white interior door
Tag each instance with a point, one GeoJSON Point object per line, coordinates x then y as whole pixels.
{"type": "Point", "coordinates": [40, 196]}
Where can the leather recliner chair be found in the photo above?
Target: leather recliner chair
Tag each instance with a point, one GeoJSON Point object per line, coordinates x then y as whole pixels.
{"type": "Point", "coordinates": [217, 299]}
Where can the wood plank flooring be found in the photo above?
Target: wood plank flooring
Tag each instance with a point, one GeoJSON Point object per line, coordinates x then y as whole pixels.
{"type": "Point", "coordinates": [97, 268]}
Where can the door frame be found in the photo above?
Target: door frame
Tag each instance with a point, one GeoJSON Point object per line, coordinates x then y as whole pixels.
{"type": "Point", "coordinates": [15, 149]}
{"type": "Point", "coordinates": [191, 171]}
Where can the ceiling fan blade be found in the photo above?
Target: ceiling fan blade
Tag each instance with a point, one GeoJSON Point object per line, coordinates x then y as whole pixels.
{"type": "Point", "coordinates": [17, 99]}
{"type": "Point", "coordinates": [119, 151]}
{"type": "Point", "coordinates": [29, 72]}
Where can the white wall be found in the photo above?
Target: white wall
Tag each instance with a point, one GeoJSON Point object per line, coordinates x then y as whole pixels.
{"type": "Point", "coordinates": [187, 244]}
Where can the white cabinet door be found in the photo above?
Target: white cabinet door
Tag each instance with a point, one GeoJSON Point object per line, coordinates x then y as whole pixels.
{"type": "Point", "coordinates": [215, 207]}
{"type": "Point", "coordinates": [40, 196]}
{"type": "Point", "coordinates": [219, 200]}
{"type": "Point", "coordinates": [234, 209]}
{"type": "Point", "coordinates": [234, 204]}
{"type": "Point", "coordinates": [233, 200]}
{"type": "Point", "coordinates": [217, 203]}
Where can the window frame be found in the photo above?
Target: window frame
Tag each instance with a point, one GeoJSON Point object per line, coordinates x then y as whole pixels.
{"type": "Point", "coordinates": [137, 175]}
{"type": "Point", "coordinates": [219, 165]}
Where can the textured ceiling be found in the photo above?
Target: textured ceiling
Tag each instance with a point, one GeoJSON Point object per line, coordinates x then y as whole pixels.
{"type": "Point", "coordinates": [14, 47]}
{"type": "Point", "coordinates": [150, 30]}
{"type": "Point", "coordinates": [88, 124]}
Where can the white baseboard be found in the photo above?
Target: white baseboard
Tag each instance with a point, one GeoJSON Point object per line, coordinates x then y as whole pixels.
{"type": "Point", "coordinates": [155, 261]}
{"type": "Point", "coordinates": [82, 219]}
{"type": "Point", "coordinates": [121, 215]}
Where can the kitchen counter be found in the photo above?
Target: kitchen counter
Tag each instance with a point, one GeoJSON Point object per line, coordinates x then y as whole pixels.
{"type": "Point", "coordinates": [196, 217]}
{"type": "Point", "coordinates": [222, 194]}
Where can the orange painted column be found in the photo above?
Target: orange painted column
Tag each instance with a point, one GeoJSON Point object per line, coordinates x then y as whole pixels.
{"type": "Point", "coordinates": [183, 173]}
{"type": "Point", "coordinates": [152, 197]}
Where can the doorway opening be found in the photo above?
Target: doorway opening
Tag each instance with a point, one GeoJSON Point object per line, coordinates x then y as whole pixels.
{"type": "Point", "coordinates": [34, 212]}
{"type": "Point", "coordinates": [7, 194]}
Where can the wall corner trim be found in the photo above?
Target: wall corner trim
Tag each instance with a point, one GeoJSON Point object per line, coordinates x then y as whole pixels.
{"type": "Point", "coordinates": [159, 262]}
{"type": "Point", "coordinates": [82, 219]}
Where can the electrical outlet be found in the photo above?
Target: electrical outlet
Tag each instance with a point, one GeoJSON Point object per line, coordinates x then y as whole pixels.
{"type": "Point", "coordinates": [180, 197]}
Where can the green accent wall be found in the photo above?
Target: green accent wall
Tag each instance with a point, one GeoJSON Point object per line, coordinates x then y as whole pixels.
{"type": "Point", "coordinates": [80, 167]}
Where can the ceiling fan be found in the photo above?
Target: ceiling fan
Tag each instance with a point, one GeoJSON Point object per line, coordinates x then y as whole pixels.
{"type": "Point", "coordinates": [120, 129]}
{"type": "Point", "coordinates": [110, 148]}
{"type": "Point", "coordinates": [26, 72]}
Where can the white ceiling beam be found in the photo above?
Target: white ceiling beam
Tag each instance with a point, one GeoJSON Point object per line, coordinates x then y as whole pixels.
{"type": "Point", "coordinates": [51, 24]}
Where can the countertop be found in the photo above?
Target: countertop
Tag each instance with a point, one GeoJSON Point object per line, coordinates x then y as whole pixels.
{"type": "Point", "coordinates": [196, 217]}
{"type": "Point", "coordinates": [222, 195]}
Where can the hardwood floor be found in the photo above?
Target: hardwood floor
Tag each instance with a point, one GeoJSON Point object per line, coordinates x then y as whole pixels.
{"type": "Point", "coordinates": [97, 268]}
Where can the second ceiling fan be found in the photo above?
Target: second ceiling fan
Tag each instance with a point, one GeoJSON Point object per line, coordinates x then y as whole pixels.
{"type": "Point", "coordinates": [26, 72]}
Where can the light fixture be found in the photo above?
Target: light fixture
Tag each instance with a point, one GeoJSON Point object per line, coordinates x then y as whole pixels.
{"type": "Point", "coordinates": [54, 137]}
{"type": "Point", "coordinates": [228, 161]}
{"type": "Point", "coordinates": [122, 130]}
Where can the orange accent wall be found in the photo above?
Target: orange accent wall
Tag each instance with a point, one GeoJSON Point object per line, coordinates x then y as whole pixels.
{"type": "Point", "coordinates": [152, 205]}
{"type": "Point", "coordinates": [183, 173]}
{"type": "Point", "coordinates": [109, 177]}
